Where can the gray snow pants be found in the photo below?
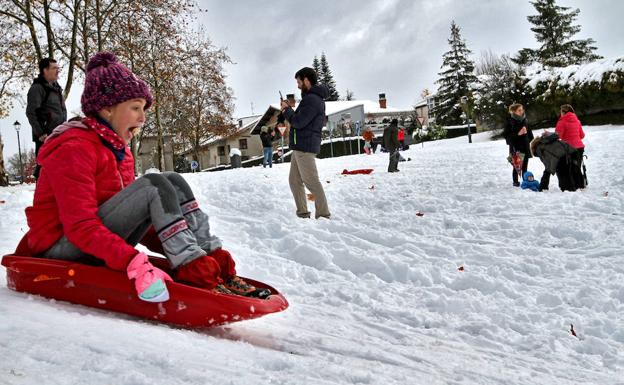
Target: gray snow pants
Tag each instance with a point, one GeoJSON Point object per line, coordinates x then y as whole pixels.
{"type": "Point", "coordinates": [162, 200]}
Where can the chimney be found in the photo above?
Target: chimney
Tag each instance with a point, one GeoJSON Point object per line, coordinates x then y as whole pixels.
{"type": "Point", "coordinates": [291, 99]}
{"type": "Point", "coordinates": [382, 100]}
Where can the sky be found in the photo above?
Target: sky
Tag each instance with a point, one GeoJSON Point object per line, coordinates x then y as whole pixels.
{"type": "Point", "coordinates": [390, 46]}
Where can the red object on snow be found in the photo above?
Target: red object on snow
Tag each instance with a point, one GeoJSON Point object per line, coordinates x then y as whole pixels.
{"type": "Point", "coordinates": [104, 288]}
{"type": "Point", "coordinates": [360, 171]}
{"type": "Point", "coordinates": [461, 268]}
{"type": "Point", "coordinates": [2, 202]}
{"type": "Point", "coordinates": [420, 214]}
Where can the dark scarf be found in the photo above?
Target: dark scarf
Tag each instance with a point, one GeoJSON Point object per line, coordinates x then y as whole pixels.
{"type": "Point", "coordinates": [518, 118]}
{"type": "Point", "coordinates": [108, 136]}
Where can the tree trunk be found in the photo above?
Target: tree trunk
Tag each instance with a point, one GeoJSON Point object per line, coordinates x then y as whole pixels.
{"type": "Point", "coordinates": [98, 20]}
{"type": "Point", "coordinates": [33, 32]}
{"type": "Point", "coordinates": [74, 48]}
{"type": "Point", "coordinates": [48, 27]}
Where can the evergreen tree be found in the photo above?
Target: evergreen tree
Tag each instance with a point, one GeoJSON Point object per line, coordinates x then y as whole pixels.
{"type": "Point", "coordinates": [316, 66]}
{"type": "Point", "coordinates": [455, 80]}
{"type": "Point", "coordinates": [554, 29]}
{"type": "Point", "coordinates": [326, 77]}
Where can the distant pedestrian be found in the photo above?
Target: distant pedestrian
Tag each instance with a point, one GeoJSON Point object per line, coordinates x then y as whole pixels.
{"type": "Point", "coordinates": [306, 124]}
{"type": "Point", "coordinates": [401, 137]}
{"type": "Point", "coordinates": [368, 140]}
{"type": "Point", "coordinates": [45, 106]}
{"type": "Point", "coordinates": [570, 131]}
{"type": "Point", "coordinates": [391, 144]}
{"type": "Point", "coordinates": [267, 146]}
{"type": "Point", "coordinates": [518, 135]}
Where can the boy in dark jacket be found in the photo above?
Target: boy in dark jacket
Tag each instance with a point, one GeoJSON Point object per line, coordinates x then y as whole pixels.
{"type": "Point", "coordinates": [518, 135]}
{"type": "Point", "coordinates": [306, 124]}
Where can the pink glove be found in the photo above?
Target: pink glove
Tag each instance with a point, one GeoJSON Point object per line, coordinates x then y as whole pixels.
{"type": "Point", "coordinates": [149, 280]}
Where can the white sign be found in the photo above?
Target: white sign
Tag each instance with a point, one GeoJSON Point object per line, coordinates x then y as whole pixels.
{"type": "Point", "coordinates": [194, 165]}
{"type": "Point", "coordinates": [281, 129]}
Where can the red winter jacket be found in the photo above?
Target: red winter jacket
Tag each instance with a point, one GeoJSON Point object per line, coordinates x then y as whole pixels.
{"type": "Point", "coordinates": [570, 130]}
{"type": "Point", "coordinates": [401, 135]}
{"type": "Point", "coordinates": [78, 174]}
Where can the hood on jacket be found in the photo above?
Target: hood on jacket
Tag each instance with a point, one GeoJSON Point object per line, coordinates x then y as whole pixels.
{"type": "Point", "coordinates": [63, 133]}
{"type": "Point", "coordinates": [526, 176]}
{"type": "Point", "coordinates": [320, 90]}
{"type": "Point", "coordinates": [569, 117]}
{"type": "Point", "coordinates": [548, 138]}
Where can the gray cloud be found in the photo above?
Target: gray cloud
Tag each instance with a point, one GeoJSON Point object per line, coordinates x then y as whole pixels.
{"type": "Point", "coordinates": [391, 46]}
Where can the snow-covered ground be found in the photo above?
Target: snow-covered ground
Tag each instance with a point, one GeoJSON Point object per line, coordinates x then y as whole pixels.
{"type": "Point", "coordinates": [376, 296]}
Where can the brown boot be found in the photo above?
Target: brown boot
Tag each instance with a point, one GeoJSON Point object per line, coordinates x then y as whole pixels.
{"type": "Point", "coordinates": [237, 285]}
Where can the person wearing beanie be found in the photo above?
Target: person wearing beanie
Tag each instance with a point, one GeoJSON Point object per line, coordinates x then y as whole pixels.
{"type": "Point", "coordinates": [87, 203]}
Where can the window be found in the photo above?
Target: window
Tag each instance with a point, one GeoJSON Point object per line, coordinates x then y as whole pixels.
{"type": "Point", "coordinates": [242, 144]}
{"type": "Point", "coordinates": [221, 150]}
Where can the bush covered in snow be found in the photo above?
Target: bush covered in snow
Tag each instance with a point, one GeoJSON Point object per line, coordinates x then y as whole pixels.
{"type": "Point", "coordinates": [594, 89]}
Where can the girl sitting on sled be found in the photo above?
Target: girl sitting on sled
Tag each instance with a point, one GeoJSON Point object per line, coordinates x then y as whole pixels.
{"type": "Point", "coordinates": [88, 204]}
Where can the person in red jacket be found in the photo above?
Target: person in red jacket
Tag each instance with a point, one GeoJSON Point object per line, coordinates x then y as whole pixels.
{"type": "Point", "coordinates": [87, 203]}
{"type": "Point", "coordinates": [401, 137]}
{"type": "Point", "coordinates": [570, 131]}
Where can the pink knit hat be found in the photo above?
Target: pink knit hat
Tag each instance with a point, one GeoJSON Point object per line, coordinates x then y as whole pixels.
{"type": "Point", "coordinates": [109, 82]}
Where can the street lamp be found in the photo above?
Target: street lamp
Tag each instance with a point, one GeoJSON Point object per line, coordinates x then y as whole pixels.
{"type": "Point", "coordinates": [464, 103]}
{"type": "Point", "coordinates": [17, 126]}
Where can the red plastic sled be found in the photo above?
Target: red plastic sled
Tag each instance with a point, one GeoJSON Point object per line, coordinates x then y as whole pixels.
{"type": "Point", "coordinates": [354, 172]}
{"type": "Point", "coordinates": [108, 289]}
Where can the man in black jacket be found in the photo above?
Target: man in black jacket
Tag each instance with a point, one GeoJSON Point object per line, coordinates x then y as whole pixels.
{"type": "Point", "coordinates": [391, 144]}
{"type": "Point", "coordinates": [306, 124]}
{"type": "Point", "coordinates": [45, 107]}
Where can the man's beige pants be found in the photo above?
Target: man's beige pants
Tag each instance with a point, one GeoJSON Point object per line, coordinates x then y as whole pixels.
{"type": "Point", "coordinates": [303, 172]}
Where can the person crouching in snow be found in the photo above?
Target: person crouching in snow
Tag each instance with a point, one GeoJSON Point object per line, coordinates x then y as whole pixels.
{"type": "Point", "coordinates": [88, 204]}
{"type": "Point", "coordinates": [529, 182]}
{"type": "Point", "coordinates": [557, 157]}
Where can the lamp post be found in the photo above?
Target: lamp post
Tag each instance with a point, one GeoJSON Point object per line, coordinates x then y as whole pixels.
{"type": "Point", "coordinates": [17, 126]}
{"type": "Point", "coordinates": [465, 114]}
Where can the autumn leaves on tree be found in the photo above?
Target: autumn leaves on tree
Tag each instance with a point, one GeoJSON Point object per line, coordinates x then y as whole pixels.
{"type": "Point", "coordinates": [153, 38]}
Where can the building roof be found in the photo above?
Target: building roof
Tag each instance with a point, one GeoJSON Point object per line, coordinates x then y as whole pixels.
{"type": "Point", "coordinates": [331, 108]}
{"type": "Point", "coordinates": [249, 123]}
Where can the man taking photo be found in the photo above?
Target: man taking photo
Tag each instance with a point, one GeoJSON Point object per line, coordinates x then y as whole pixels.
{"type": "Point", "coordinates": [306, 124]}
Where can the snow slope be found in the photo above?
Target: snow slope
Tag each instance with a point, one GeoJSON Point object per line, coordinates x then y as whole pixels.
{"type": "Point", "coordinates": [375, 294]}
